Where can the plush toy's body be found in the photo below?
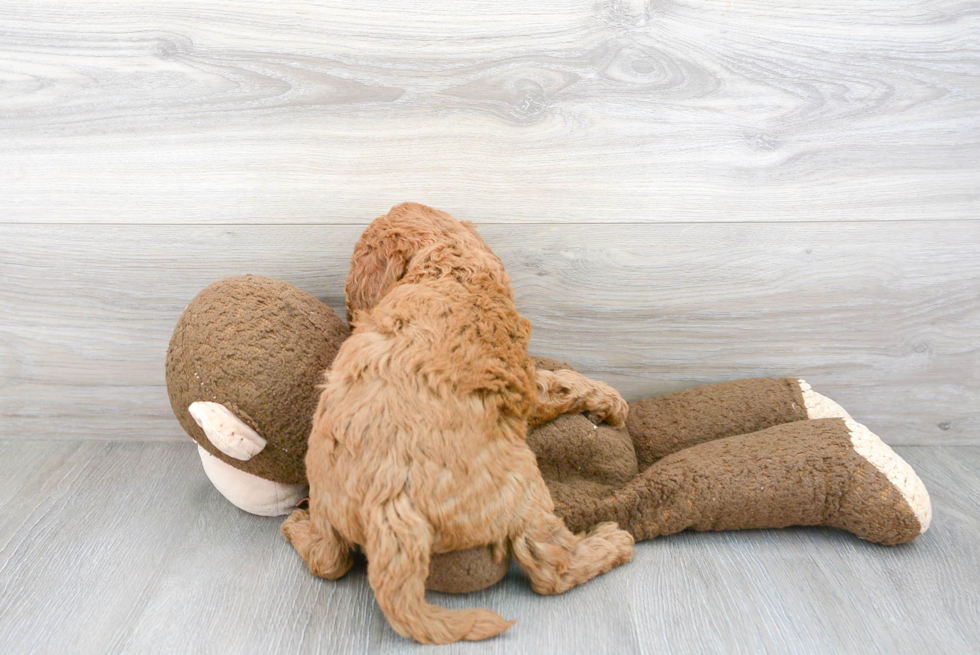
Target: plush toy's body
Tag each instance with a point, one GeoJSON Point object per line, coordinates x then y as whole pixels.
{"type": "Point", "coordinates": [248, 353]}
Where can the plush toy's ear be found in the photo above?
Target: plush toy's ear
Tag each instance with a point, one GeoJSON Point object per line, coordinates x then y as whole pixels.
{"type": "Point", "coordinates": [225, 431]}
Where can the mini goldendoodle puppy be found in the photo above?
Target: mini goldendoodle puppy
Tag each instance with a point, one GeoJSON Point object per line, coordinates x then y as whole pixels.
{"type": "Point", "coordinates": [418, 442]}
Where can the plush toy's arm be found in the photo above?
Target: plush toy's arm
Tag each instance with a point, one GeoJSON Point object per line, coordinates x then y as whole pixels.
{"type": "Point", "coordinates": [564, 391]}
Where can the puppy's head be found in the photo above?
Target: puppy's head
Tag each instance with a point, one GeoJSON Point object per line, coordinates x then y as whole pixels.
{"type": "Point", "coordinates": [386, 249]}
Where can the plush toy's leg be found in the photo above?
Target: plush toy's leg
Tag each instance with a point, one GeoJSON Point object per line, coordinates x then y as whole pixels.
{"type": "Point", "coordinates": [398, 549]}
{"type": "Point", "coordinates": [325, 552]}
{"type": "Point", "coordinates": [668, 424]}
{"type": "Point", "coordinates": [249, 492]}
{"type": "Point", "coordinates": [555, 559]}
{"type": "Point", "coordinates": [831, 472]}
{"type": "Point", "coordinates": [565, 391]}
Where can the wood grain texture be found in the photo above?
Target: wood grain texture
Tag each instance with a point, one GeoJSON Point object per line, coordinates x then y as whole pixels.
{"type": "Point", "coordinates": [881, 317]}
{"type": "Point", "coordinates": [125, 548]}
{"type": "Point", "coordinates": [117, 111]}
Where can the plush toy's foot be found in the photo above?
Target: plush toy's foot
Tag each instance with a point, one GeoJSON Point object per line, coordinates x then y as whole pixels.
{"type": "Point", "coordinates": [868, 507]}
{"type": "Point", "coordinates": [249, 492]}
{"type": "Point", "coordinates": [833, 472]}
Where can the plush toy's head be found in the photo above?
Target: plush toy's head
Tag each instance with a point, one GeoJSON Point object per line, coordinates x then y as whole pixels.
{"type": "Point", "coordinates": [257, 347]}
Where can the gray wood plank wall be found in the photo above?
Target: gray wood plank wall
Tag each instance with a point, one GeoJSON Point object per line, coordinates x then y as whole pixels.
{"type": "Point", "coordinates": [684, 192]}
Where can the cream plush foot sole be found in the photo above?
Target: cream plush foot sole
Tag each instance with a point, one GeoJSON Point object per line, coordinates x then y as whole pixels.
{"type": "Point", "coordinates": [820, 406]}
{"type": "Point", "coordinates": [870, 446]}
{"type": "Point", "coordinates": [249, 492]}
{"type": "Point", "coordinates": [880, 455]}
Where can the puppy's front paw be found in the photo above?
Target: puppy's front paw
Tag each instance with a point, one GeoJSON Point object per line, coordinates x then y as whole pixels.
{"type": "Point", "coordinates": [607, 405]}
{"type": "Point", "coordinates": [296, 525]}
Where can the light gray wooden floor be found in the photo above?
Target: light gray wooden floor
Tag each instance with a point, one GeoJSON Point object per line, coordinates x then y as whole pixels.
{"type": "Point", "coordinates": [116, 547]}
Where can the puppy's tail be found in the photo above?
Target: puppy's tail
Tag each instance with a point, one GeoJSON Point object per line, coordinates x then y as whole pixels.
{"type": "Point", "coordinates": [398, 545]}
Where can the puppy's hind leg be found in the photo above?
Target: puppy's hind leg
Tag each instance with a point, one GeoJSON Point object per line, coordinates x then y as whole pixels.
{"type": "Point", "coordinates": [326, 553]}
{"type": "Point", "coordinates": [555, 559]}
{"type": "Point", "coordinates": [397, 548]}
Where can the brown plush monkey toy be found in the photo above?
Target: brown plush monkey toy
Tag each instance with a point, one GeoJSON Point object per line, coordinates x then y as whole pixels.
{"type": "Point", "coordinates": [248, 352]}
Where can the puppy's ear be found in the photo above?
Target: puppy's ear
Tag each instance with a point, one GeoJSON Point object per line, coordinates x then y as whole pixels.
{"type": "Point", "coordinates": [374, 268]}
{"type": "Point", "coordinates": [382, 254]}
{"type": "Point", "coordinates": [522, 333]}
